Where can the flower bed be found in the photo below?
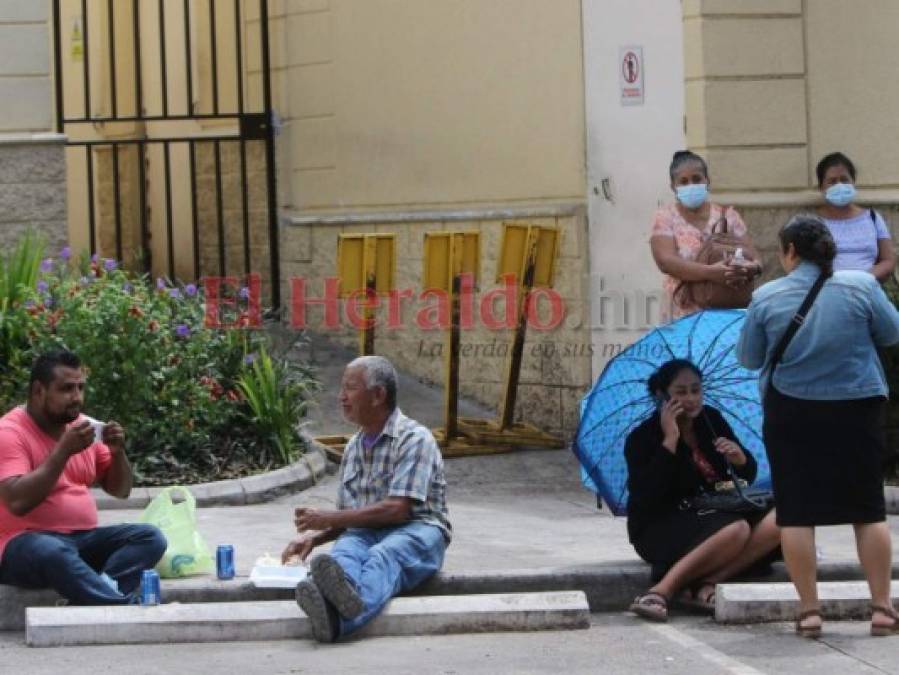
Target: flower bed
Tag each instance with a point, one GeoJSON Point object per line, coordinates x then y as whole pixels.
{"type": "Point", "coordinates": [197, 403]}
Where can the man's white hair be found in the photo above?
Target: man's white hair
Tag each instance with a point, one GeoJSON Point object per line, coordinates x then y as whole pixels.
{"type": "Point", "coordinates": [377, 372]}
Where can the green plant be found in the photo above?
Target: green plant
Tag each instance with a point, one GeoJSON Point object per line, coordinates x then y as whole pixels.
{"type": "Point", "coordinates": [278, 399]}
{"type": "Point", "coordinates": [19, 271]}
{"type": "Point", "coordinates": [155, 367]}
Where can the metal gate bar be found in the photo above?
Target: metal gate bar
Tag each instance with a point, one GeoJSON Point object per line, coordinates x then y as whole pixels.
{"type": "Point", "coordinates": [250, 125]}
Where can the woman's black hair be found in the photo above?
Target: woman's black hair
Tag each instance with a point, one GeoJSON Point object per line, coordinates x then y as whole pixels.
{"type": "Point", "coordinates": [660, 380]}
{"type": "Point", "coordinates": [811, 239]}
{"type": "Point", "coordinates": [682, 157]}
{"type": "Point", "coordinates": [831, 160]}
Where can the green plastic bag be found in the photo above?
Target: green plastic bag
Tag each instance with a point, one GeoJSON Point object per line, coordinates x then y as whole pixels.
{"type": "Point", "coordinates": [187, 553]}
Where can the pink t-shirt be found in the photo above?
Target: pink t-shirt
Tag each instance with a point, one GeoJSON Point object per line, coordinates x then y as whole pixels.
{"type": "Point", "coordinates": [69, 506]}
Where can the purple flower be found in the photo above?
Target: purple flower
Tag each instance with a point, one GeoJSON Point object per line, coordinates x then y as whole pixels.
{"type": "Point", "coordinates": [95, 257]}
{"type": "Point", "coordinates": [109, 264]}
{"type": "Point", "coordinates": [182, 330]}
{"type": "Point", "coordinates": [245, 293]}
{"type": "Point", "coordinates": [29, 303]}
{"type": "Point", "coordinates": [43, 286]}
{"type": "Point", "coordinates": [174, 293]}
{"type": "Point", "coordinates": [65, 253]}
{"type": "Point", "coordinates": [48, 301]}
{"type": "Point", "coordinates": [249, 359]}
{"type": "Point", "coordinates": [47, 265]}
{"type": "Point", "coordinates": [190, 290]}
{"type": "Point", "coordinates": [160, 283]}
{"type": "Point", "coordinates": [127, 287]}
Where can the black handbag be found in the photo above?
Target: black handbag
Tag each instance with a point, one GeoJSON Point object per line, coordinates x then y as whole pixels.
{"type": "Point", "coordinates": [754, 500]}
{"type": "Point", "coordinates": [733, 500]}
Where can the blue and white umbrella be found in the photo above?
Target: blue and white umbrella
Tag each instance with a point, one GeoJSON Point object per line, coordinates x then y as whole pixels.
{"type": "Point", "coordinates": [620, 401]}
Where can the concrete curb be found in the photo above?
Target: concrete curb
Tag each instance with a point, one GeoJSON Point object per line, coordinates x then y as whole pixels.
{"type": "Point", "coordinates": [891, 496]}
{"type": "Point", "coordinates": [609, 587]}
{"type": "Point", "coordinates": [238, 492]}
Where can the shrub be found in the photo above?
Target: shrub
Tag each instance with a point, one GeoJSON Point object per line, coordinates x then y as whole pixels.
{"type": "Point", "coordinates": [153, 366]}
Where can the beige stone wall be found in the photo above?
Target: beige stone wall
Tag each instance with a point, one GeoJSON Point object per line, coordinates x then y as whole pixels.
{"type": "Point", "coordinates": [774, 85]}
{"type": "Point", "coordinates": [32, 164]}
{"type": "Point", "coordinates": [391, 103]}
{"type": "Point", "coordinates": [556, 367]}
{"type": "Point", "coordinates": [32, 192]}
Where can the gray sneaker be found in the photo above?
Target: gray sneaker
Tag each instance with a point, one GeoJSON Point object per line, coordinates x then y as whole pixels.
{"type": "Point", "coordinates": [333, 584]}
{"type": "Point", "coordinates": [322, 616]}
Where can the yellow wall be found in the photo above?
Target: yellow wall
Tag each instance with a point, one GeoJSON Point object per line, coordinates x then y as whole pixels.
{"type": "Point", "coordinates": [411, 103]}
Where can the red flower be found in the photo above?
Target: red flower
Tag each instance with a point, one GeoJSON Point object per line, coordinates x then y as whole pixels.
{"type": "Point", "coordinates": [153, 326]}
{"type": "Point", "coordinates": [136, 311]}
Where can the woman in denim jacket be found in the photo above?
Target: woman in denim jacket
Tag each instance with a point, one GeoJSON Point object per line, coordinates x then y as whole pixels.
{"type": "Point", "coordinates": [824, 411]}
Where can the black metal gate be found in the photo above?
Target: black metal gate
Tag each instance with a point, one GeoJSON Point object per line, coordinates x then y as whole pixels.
{"type": "Point", "coordinates": [177, 174]}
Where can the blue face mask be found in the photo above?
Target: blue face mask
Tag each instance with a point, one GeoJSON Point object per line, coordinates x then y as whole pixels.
{"type": "Point", "coordinates": [692, 196]}
{"type": "Point", "coordinates": [840, 194]}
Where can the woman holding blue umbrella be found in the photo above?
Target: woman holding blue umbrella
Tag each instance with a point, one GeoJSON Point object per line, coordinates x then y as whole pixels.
{"type": "Point", "coordinates": [816, 332]}
{"type": "Point", "coordinates": [684, 449]}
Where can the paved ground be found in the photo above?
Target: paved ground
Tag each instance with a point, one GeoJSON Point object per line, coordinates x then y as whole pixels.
{"type": "Point", "coordinates": [522, 510]}
{"type": "Point", "coordinates": [615, 643]}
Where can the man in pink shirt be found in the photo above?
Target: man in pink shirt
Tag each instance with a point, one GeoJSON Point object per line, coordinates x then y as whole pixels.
{"type": "Point", "coordinates": [49, 459]}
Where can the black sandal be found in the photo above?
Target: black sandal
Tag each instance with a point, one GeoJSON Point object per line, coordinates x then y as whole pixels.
{"type": "Point", "coordinates": [651, 605]}
{"type": "Point", "coordinates": [811, 632]}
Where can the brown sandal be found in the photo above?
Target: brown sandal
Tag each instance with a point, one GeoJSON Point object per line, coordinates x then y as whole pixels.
{"type": "Point", "coordinates": [699, 601]}
{"type": "Point", "coordinates": [883, 631]}
{"type": "Point", "coordinates": [811, 632]}
{"type": "Point", "coordinates": [651, 605]}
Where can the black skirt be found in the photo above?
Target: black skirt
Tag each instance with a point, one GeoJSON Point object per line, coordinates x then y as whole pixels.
{"type": "Point", "coordinates": [825, 459]}
{"type": "Point", "coordinates": [672, 536]}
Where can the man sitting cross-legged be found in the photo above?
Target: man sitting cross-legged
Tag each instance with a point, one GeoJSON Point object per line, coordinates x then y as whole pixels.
{"type": "Point", "coordinates": [49, 459]}
{"type": "Point", "coordinates": [391, 524]}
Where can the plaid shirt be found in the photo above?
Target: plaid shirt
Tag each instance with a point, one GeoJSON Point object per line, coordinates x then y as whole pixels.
{"type": "Point", "coordinates": [404, 462]}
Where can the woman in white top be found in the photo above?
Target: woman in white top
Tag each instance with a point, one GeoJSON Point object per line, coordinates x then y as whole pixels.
{"type": "Point", "coordinates": [861, 235]}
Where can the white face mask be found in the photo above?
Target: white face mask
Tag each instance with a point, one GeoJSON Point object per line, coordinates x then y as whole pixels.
{"type": "Point", "coordinates": [840, 194]}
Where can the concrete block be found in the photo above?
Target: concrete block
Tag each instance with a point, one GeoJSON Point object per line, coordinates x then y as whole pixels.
{"type": "Point", "coordinates": [754, 112]}
{"type": "Point", "coordinates": [27, 50]}
{"type": "Point", "coordinates": [758, 168]}
{"type": "Point", "coordinates": [22, 11]}
{"type": "Point", "coordinates": [220, 493]}
{"type": "Point", "coordinates": [209, 622]}
{"type": "Point", "coordinates": [751, 46]}
{"type": "Point", "coordinates": [735, 7]}
{"type": "Point", "coordinates": [27, 103]}
{"type": "Point", "coordinates": [439, 615]}
{"type": "Point", "coordinates": [755, 603]}
{"type": "Point", "coordinates": [278, 620]}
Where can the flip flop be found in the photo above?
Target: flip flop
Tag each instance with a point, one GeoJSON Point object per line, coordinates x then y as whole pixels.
{"type": "Point", "coordinates": [811, 632]}
{"type": "Point", "coordinates": [883, 631]}
{"type": "Point", "coordinates": [651, 605]}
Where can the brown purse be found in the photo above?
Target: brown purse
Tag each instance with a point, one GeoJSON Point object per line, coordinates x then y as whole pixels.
{"type": "Point", "coordinates": [718, 245]}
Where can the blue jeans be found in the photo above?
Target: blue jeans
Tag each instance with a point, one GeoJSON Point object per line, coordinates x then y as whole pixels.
{"type": "Point", "coordinates": [71, 564]}
{"type": "Point", "coordinates": [380, 563]}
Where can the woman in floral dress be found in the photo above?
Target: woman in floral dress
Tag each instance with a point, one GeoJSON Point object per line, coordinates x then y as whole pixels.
{"type": "Point", "coordinates": [678, 231]}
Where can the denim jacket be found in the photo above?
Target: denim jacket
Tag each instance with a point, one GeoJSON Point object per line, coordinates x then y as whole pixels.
{"type": "Point", "coordinates": [833, 355]}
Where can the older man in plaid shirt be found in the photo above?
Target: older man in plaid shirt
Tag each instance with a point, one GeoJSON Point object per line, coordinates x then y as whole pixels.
{"type": "Point", "coordinates": [391, 524]}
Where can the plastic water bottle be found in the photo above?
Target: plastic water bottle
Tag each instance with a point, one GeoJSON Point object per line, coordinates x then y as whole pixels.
{"type": "Point", "coordinates": [739, 258]}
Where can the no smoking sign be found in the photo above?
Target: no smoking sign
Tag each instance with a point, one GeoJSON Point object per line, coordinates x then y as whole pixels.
{"type": "Point", "coordinates": [630, 75]}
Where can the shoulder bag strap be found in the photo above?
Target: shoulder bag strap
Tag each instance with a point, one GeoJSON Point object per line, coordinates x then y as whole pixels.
{"type": "Point", "coordinates": [795, 323]}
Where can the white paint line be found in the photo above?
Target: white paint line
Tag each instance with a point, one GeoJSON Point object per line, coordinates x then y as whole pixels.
{"type": "Point", "coordinates": [703, 650]}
